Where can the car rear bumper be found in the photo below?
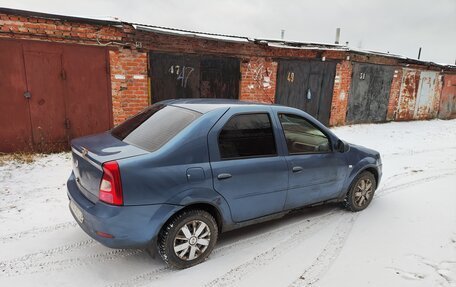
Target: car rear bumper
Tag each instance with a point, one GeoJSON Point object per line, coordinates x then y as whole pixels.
{"type": "Point", "coordinates": [130, 226]}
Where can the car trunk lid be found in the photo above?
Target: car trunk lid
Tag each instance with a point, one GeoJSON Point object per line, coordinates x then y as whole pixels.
{"type": "Point", "coordinates": [89, 153]}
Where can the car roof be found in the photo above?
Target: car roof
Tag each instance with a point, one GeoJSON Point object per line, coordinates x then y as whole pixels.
{"type": "Point", "coordinates": [207, 105]}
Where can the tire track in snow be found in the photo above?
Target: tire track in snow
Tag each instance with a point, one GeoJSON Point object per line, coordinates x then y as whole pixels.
{"type": "Point", "coordinates": [411, 172]}
{"type": "Point", "coordinates": [413, 152]}
{"type": "Point", "coordinates": [35, 257]}
{"type": "Point", "coordinates": [444, 270]}
{"type": "Point", "coordinates": [144, 278]}
{"type": "Point", "coordinates": [237, 273]}
{"type": "Point", "coordinates": [36, 231]}
{"type": "Point", "coordinates": [41, 261]}
{"type": "Point", "coordinates": [254, 239]}
{"type": "Point", "coordinates": [332, 250]}
{"type": "Point", "coordinates": [155, 274]}
{"type": "Point", "coordinates": [390, 189]}
{"type": "Point", "coordinates": [329, 254]}
{"type": "Point", "coordinates": [17, 268]}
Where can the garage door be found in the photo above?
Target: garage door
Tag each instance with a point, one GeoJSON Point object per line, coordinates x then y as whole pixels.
{"type": "Point", "coordinates": [427, 96]}
{"type": "Point", "coordinates": [369, 93]}
{"type": "Point", "coordinates": [193, 76]}
{"type": "Point", "coordinates": [306, 85]}
{"type": "Point", "coordinates": [51, 93]}
{"type": "Point", "coordinates": [448, 99]}
{"type": "Point", "coordinates": [15, 132]}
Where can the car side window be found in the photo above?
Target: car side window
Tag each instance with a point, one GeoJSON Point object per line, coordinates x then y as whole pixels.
{"type": "Point", "coordinates": [247, 135]}
{"type": "Point", "coordinates": [302, 136]}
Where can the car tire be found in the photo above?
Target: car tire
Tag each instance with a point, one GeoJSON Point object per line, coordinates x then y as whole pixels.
{"type": "Point", "coordinates": [361, 192]}
{"type": "Point", "coordinates": [188, 238]}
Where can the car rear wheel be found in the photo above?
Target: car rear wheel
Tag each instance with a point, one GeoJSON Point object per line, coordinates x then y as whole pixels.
{"type": "Point", "coordinates": [188, 238]}
{"type": "Point", "coordinates": [361, 192]}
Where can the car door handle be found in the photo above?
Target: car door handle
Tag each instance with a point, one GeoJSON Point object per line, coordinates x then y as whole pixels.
{"type": "Point", "coordinates": [297, 168]}
{"type": "Point", "coordinates": [223, 176]}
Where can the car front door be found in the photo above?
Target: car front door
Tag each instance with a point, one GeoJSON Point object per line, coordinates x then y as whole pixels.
{"type": "Point", "coordinates": [246, 168]}
{"type": "Point", "coordinates": [316, 172]}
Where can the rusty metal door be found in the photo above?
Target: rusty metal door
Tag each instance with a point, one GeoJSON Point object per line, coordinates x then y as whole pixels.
{"type": "Point", "coordinates": [408, 92]}
{"type": "Point", "coordinates": [87, 90]}
{"type": "Point", "coordinates": [448, 98]}
{"type": "Point", "coordinates": [306, 85]}
{"type": "Point", "coordinates": [47, 102]}
{"type": "Point", "coordinates": [424, 107]}
{"type": "Point", "coordinates": [193, 76]}
{"type": "Point", "coordinates": [51, 93]}
{"type": "Point", "coordinates": [369, 93]}
{"type": "Point", "coordinates": [14, 111]}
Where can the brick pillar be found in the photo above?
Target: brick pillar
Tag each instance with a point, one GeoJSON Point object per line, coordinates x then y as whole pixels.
{"type": "Point", "coordinates": [129, 83]}
{"type": "Point", "coordinates": [258, 83]}
{"type": "Point", "coordinates": [342, 82]}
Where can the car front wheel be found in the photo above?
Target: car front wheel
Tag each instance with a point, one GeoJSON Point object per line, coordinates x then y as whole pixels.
{"type": "Point", "coordinates": [188, 238]}
{"type": "Point", "coordinates": [361, 192]}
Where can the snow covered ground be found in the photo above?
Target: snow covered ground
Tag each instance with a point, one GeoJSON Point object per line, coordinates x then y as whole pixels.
{"type": "Point", "coordinates": [406, 237]}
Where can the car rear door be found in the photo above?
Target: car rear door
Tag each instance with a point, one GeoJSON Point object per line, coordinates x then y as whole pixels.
{"type": "Point", "coordinates": [316, 172]}
{"type": "Point", "coordinates": [246, 168]}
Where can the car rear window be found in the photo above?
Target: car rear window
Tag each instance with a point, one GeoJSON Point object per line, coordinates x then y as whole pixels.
{"type": "Point", "coordinates": [154, 126]}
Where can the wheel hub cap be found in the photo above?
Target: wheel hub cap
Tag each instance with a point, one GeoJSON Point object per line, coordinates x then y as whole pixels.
{"type": "Point", "coordinates": [363, 192]}
{"type": "Point", "coordinates": [192, 240]}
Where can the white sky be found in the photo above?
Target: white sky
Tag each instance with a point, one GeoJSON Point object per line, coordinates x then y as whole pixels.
{"type": "Point", "coordinates": [397, 26]}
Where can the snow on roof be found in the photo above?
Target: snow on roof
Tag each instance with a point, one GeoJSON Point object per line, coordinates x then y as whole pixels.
{"type": "Point", "coordinates": [105, 20]}
{"type": "Point", "coordinates": [285, 44]}
{"type": "Point", "coordinates": [306, 46]}
{"type": "Point", "coordinates": [188, 33]}
{"type": "Point", "coordinates": [115, 21]}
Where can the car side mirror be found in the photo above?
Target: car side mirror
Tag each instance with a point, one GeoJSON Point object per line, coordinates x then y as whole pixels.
{"type": "Point", "coordinates": [342, 146]}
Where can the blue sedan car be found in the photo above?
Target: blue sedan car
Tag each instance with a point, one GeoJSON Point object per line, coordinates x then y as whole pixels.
{"type": "Point", "coordinates": [180, 172]}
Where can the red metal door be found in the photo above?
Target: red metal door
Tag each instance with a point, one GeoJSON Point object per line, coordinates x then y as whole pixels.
{"type": "Point", "coordinates": [14, 115]}
{"type": "Point", "coordinates": [51, 93]}
{"type": "Point", "coordinates": [88, 102]}
{"type": "Point", "coordinates": [47, 103]}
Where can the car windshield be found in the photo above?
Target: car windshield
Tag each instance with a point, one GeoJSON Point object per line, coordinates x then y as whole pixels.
{"type": "Point", "coordinates": [154, 126]}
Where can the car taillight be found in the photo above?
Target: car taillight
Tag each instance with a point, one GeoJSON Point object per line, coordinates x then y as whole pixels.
{"type": "Point", "coordinates": [111, 185]}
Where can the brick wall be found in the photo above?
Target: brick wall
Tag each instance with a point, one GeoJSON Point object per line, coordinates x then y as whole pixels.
{"type": "Point", "coordinates": [129, 83]}
{"type": "Point", "coordinates": [258, 82]}
{"type": "Point", "coordinates": [341, 93]}
{"type": "Point", "coordinates": [34, 28]}
{"type": "Point", "coordinates": [394, 94]}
